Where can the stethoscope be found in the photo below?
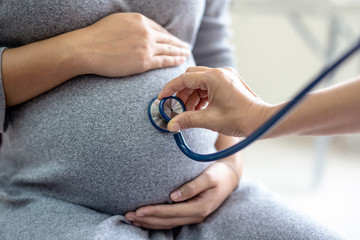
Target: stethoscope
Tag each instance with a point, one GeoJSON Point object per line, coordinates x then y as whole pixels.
{"type": "Point", "coordinates": [162, 111]}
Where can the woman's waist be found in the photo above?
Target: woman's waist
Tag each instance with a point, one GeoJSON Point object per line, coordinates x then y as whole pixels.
{"type": "Point", "coordinates": [113, 184]}
{"type": "Point", "coordinates": [120, 165]}
{"type": "Point", "coordinates": [87, 96]}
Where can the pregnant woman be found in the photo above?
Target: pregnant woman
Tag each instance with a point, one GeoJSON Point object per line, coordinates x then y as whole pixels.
{"type": "Point", "coordinates": [80, 159]}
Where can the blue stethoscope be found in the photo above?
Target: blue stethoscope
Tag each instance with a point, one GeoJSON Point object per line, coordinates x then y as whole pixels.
{"type": "Point", "coordinates": [162, 111]}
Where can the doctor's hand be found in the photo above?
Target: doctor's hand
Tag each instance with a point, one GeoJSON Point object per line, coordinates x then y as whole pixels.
{"type": "Point", "coordinates": [216, 99]}
{"type": "Point", "coordinates": [194, 201]}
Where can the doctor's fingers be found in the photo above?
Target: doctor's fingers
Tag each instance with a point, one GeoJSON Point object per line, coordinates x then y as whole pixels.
{"type": "Point", "coordinates": [202, 104]}
{"type": "Point", "coordinates": [193, 101]}
{"type": "Point", "coordinates": [190, 119]}
{"type": "Point", "coordinates": [186, 94]}
{"type": "Point", "coordinates": [191, 80]}
{"type": "Point", "coordinates": [196, 100]}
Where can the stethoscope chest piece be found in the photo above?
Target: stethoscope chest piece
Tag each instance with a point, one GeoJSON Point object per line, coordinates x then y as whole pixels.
{"type": "Point", "coordinates": [161, 112]}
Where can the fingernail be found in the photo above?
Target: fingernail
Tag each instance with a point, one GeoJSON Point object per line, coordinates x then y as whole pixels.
{"type": "Point", "coordinates": [174, 127]}
{"type": "Point", "coordinates": [130, 218]}
{"type": "Point", "coordinates": [163, 93]}
{"type": "Point", "coordinates": [176, 195]}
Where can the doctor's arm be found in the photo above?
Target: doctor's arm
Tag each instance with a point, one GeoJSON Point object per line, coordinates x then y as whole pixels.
{"type": "Point", "coordinates": [234, 109]}
{"type": "Point", "coordinates": [334, 110]}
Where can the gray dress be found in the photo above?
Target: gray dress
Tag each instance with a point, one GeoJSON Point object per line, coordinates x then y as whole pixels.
{"type": "Point", "coordinates": [75, 159]}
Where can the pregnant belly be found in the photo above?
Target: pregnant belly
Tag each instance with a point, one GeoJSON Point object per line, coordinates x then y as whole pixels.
{"type": "Point", "coordinates": [90, 141]}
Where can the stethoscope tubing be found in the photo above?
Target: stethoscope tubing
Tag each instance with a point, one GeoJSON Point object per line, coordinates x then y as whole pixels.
{"type": "Point", "coordinates": [268, 125]}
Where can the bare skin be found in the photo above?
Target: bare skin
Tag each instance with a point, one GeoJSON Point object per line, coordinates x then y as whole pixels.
{"type": "Point", "coordinates": [227, 105]}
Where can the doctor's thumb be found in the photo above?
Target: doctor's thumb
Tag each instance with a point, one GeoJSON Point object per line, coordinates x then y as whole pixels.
{"type": "Point", "coordinates": [185, 120]}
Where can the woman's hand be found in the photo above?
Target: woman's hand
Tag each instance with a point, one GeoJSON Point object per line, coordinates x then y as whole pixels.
{"type": "Point", "coordinates": [194, 201]}
{"type": "Point", "coordinates": [227, 105]}
{"type": "Point", "coordinates": [118, 45]}
{"type": "Point", "coordinates": [123, 44]}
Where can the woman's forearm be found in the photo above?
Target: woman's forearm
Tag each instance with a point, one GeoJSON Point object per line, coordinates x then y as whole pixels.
{"type": "Point", "coordinates": [235, 160]}
{"type": "Point", "coordinates": [335, 110]}
{"type": "Point", "coordinates": [118, 45]}
{"type": "Point", "coordinates": [33, 69]}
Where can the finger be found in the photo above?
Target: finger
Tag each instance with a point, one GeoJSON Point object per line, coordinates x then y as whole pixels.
{"type": "Point", "coordinates": [202, 93]}
{"type": "Point", "coordinates": [154, 25]}
{"type": "Point", "coordinates": [170, 50]}
{"type": "Point", "coordinates": [193, 101]}
{"type": "Point", "coordinates": [170, 39]}
{"type": "Point", "coordinates": [202, 104]}
{"type": "Point", "coordinates": [184, 94]}
{"type": "Point", "coordinates": [189, 119]}
{"type": "Point", "coordinates": [198, 69]}
{"type": "Point", "coordinates": [191, 80]}
{"type": "Point", "coordinates": [193, 188]}
{"type": "Point", "coordinates": [165, 223]}
{"type": "Point", "coordinates": [166, 61]}
{"type": "Point", "coordinates": [184, 209]}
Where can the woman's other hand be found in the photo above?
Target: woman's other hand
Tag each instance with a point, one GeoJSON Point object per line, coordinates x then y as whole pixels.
{"type": "Point", "coordinates": [194, 201]}
{"type": "Point", "coordinates": [123, 44]}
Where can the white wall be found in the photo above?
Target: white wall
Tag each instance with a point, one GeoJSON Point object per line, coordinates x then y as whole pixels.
{"type": "Point", "coordinates": [275, 61]}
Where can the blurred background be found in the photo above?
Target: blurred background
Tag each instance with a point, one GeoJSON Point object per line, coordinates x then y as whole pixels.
{"type": "Point", "coordinates": [280, 46]}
